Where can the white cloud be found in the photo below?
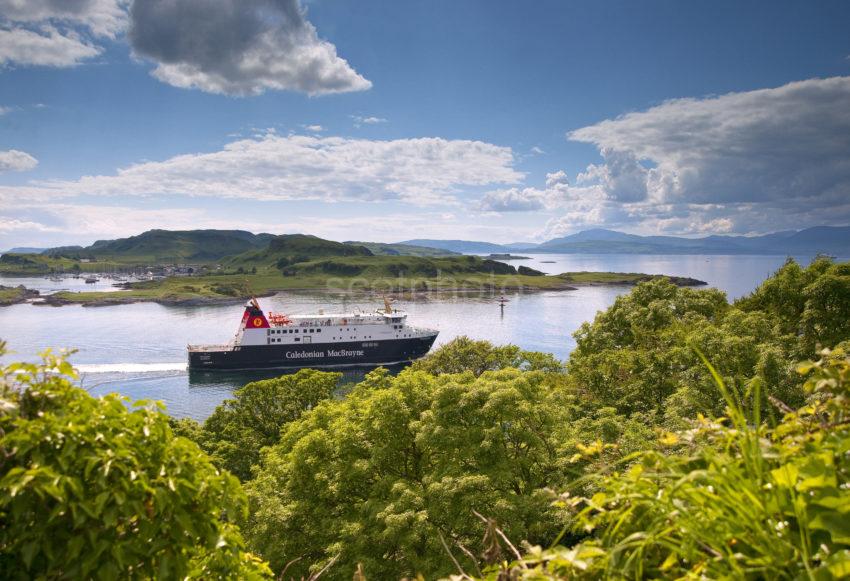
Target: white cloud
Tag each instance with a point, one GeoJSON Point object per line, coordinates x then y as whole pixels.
{"type": "Point", "coordinates": [556, 178]}
{"type": "Point", "coordinates": [57, 33]}
{"type": "Point", "coordinates": [105, 18]}
{"type": "Point", "coordinates": [10, 225]}
{"type": "Point", "coordinates": [314, 128]}
{"type": "Point", "coordinates": [5, 110]}
{"type": "Point", "coordinates": [239, 47]}
{"type": "Point", "coordinates": [755, 146]}
{"type": "Point", "coordinates": [360, 120]}
{"type": "Point", "coordinates": [742, 162]}
{"type": "Point", "coordinates": [537, 150]}
{"type": "Point", "coordinates": [514, 200]}
{"type": "Point", "coordinates": [47, 47]}
{"type": "Point", "coordinates": [555, 194]}
{"type": "Point", "coordinates": [297, 167]}
{"type": "Point", "coordinates": [14, 160]}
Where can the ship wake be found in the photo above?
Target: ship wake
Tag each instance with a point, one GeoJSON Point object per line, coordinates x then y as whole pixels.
{"type": "Point", "coordinates": [131, 367]}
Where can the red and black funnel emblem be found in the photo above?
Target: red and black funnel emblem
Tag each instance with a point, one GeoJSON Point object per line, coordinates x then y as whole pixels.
{"type": "Point", "coordinates": [254, 319]}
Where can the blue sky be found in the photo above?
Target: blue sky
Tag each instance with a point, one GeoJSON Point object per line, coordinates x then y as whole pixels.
{"type": "Point", "coordinates": [393, 120]}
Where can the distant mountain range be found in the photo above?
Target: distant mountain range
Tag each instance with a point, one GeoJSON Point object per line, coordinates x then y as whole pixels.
{"type": "Point", "coordinates": [821, 239]}
{"type": "Point", "coordinates": [169, 246]}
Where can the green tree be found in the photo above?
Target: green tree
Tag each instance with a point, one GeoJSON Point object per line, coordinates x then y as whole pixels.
{"type": "Point", "coordinates": [386, 476]}
{"type": "Point", "coordinates": [92, 489]}
{"type": "Point", "coordinates": [236, 431]}
{"type": "Point", "coordinates": [811, 304]}
{"type": "Point", "coordinates": [637, 358]}
{"type": "Point", "coordinates": [464, 354]}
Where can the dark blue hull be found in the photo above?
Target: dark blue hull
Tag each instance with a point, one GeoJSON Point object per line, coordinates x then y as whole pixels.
{"type": "Point", "coordinates": [317, 355]}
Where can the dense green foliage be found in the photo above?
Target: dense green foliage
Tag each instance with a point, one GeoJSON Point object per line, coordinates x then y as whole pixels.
{"type": "Point", "coordinates": [377, 478]}
{"type": "Point", "coordinates": [638, 355]}
{"type": "Point", "coordinates": [467, 355]}
{"type": "Point", "coordinates": [92, 489]}
{"type": "Point", "coordinates": [732, 499]}
{"type": "Point", "coordinates": [236, 431]}
{"type": "Point", "coordinates": [812, 304]}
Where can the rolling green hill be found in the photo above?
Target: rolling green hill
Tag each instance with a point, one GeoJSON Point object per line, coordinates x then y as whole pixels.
{"type": "Point", "coordinates": [293, 248]}
{"type": "Point", "coordinates": [380, 248]}
{"type": "Point", "coordinates": [161, 246]}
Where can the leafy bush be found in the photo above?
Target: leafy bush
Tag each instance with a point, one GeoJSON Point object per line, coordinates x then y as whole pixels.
{"type": "Point", "coordinates": [90, 488]}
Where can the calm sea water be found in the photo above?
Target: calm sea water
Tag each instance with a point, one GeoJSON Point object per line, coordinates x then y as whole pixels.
{"type": "Point", "coordinates": [139, 350]}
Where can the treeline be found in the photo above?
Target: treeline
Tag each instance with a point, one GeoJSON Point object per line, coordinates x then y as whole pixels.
{"type": "Point", "coordinates": [684, 438]}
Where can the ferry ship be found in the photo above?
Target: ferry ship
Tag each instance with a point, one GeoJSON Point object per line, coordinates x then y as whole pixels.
{"type": "Point", "coordinates": [336, 340]}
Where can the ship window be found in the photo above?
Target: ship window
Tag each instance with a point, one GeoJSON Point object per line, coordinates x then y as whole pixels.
{"type": "Point", "coordinates": [311, 330]}
{"type": "Point", "coordinates": [297, 339]}
{"type": "Point", "coordinates": [318, 330]}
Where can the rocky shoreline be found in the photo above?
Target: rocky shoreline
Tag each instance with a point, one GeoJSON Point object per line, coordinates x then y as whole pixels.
{"type": "Point", "coordinates": [13, 295]}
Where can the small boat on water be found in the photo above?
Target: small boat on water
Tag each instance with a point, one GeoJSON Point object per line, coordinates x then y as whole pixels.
{"type": "Point", "coordinates": [338, 340]}
{"type": "Point", "coordinates": [91, 280]}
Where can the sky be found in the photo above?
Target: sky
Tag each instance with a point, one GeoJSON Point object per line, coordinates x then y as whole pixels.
{"type": "Point", "coordinates": [390, 120]}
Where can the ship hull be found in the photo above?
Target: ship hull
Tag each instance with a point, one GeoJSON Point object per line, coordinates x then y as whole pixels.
{"type": "Point", "coordinates": [316, 355]}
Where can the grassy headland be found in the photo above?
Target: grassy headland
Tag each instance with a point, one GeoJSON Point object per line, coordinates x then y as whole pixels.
{"type": "Point", "coordinates": [263, 264]}
{"type": "Point", "coordinates": [377, 274]}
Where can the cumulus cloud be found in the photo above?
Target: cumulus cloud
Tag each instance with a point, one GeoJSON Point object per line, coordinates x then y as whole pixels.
{"type": "Point", "coordinates": [756, 146]}
{"type": "Point", "coordinates": [273, 167]}
{"type": "Point", "coordinates": [14, 160]}
{"type": "Point", "coordinates": [57, 33]}
{"type": "Point", "coordinates": [513, 200]}
{"type": "Point", "coordinates": [555, 194]}
{"type": "Point", "coordinates": [239, 47]}
{"type": "Point", "coordinates": [741, 162]}
{"type": "Point", "coordinates": [557, 178]}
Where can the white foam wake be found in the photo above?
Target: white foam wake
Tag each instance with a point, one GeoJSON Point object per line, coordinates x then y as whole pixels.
{"type": "Point", "coordinates": [130, 367]}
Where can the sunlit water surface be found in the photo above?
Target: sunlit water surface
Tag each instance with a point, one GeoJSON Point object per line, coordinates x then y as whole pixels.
{"type": "Point", "coordinates": [139, 349]}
